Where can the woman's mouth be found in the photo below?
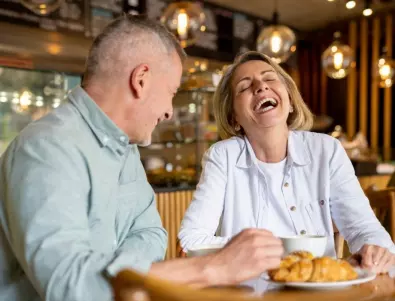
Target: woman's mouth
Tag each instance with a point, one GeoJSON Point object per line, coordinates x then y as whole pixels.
{"type": "Point", "coordinates": [265, 105]}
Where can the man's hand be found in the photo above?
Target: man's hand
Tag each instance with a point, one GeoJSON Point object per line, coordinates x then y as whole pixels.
{"type": "Point", "coordinates": [374, 258]}
{"type": "Point", "coordinates": [246, 256]}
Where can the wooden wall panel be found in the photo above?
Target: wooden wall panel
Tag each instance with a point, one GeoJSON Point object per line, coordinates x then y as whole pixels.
{"type": "Point", "coordinates": [388, 92]}
{"type": "Point", "coordinates": [172, 207]}
{"type": "Point", "coordinates": [374, 92]}
{"type": "Point", "coordinates": [363, 78]}
{"type": "Point", "coordinates": [352, 86]}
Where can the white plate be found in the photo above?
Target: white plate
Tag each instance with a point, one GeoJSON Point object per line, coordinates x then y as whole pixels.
{"type": "Point", "coordinates": [363, 276]}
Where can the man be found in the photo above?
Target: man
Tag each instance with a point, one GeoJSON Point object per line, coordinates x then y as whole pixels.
{"type": "Point", "coordinates": [76, 207]}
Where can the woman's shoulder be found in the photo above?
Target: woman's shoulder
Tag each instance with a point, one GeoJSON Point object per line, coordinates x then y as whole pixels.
{"type": "Point", "coordinates": [228, 144]}
{"type": "Point", "coordinates": [315, 138]}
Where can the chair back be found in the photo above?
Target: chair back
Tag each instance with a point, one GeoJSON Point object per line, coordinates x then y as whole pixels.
{"type": "Point", "coordinates": [131, 286]}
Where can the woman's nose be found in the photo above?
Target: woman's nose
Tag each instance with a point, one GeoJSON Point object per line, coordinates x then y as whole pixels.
{"type": "Point", "coordinates": [260, 86]}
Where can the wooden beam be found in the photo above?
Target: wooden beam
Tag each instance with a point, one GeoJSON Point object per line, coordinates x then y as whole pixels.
{"type": "Point", "coordinates": [374, 95]}
{"type": "Point", "coordinates": [363, 78]}
{"type": "Point", "coordinates": [352, 85]}
{"type": "Point", "coordinates": [388, 93]}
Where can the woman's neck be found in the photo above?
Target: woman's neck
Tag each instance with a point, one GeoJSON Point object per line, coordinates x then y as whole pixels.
{"type": "Point", "coordinates": [270, 144]}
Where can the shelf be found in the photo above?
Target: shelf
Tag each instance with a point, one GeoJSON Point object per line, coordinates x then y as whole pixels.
{"type": "Point", "coordinates": [172, 143]}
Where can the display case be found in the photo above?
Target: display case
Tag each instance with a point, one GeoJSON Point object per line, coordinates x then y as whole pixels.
{"type": "Point", "coordinates": [173, 160]}
{"type": "Point", "coordinates": [26, 95]}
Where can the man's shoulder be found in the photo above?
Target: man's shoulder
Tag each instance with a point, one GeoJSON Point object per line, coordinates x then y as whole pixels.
{"type": "Point", "coordinates": [57, 129]}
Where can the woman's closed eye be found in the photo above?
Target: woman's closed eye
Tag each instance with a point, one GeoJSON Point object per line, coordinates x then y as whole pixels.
{"type": "Point", "coordinates": [244, 88]}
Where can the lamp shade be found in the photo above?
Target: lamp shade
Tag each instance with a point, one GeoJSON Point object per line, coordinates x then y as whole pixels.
{"type": "Point", "coordinates": [184, 19]}
{"type": "Point", "coordinates": [338, 59]}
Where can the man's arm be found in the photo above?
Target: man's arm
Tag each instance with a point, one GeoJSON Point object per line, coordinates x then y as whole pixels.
{"type": "Point", "coordinates": [246, 256]}
{"type": "Point", "coordinates": [146, 241]}
{"type": "Point", "coordinates": [45, 203]}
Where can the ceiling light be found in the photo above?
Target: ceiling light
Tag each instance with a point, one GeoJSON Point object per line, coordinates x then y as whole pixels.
{"type": "Point", "coordinates": [338, 58]}
{"type": "Point", "coordinates": [350, 4]}
{"type": "Point", "coordinates": [276, 41]}
{"type": "Point", "coordinates": [367, 9]}
{"type": "Point", "coordinates": [385, 70]}
{"type": "Point", "coordinates": [184, 19]}
{"type": "Point", "coordinates": [367, 12]}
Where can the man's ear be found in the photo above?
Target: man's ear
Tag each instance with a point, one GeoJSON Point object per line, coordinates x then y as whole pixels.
{"type": "Point", "coordinates": [139, 80]}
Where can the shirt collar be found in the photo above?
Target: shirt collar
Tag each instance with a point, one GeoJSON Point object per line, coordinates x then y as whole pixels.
{"type": "Point", "coordinates": [297, 151]}
{"type": "Point", "coordinates": [105, 130]}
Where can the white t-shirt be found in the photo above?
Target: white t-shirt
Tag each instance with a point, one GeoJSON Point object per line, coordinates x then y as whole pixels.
{"type": "Point", "coordinates": [278, 211]}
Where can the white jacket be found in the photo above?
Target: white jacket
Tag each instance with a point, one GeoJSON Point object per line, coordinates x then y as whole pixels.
{"type": "Point", "coordinates": [319, 180]}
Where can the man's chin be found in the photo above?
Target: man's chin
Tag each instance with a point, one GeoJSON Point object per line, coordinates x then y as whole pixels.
{"type": "Point", "coordinates": [144, 143]}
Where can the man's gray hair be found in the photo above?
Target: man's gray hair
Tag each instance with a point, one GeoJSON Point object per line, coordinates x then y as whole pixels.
{"type": "Point", "coordinates": [126, 38]}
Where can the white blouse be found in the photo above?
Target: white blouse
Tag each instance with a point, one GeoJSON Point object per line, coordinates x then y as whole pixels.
{"type": "Point", "coordinates": [317, 185]}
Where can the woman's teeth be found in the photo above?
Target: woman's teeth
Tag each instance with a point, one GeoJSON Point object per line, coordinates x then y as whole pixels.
{"type": "Point", "coordinates": [265, 105]}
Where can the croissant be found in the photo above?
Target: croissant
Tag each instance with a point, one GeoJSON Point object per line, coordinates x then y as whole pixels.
{"type": "Point", "coordinates": [287, 262]}
{"type": "Point", "coordinates": [323, 269]}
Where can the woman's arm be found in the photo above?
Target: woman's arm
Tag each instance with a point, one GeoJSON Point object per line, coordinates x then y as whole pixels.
{"type": "Point", "coordinates": [350, 207]}
{"type": "Point", "coordinates": [204, 213]}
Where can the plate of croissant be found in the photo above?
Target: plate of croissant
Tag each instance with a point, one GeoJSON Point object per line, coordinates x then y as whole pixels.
{"type": "Point", "coordinates": [302, 270]}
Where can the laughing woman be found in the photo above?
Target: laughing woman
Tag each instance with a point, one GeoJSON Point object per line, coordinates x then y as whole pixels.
{"type": "Point", "coordinates": [269, 172]}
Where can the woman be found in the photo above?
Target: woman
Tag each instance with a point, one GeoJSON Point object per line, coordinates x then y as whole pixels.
{"type": "Point", "coordinates": [269, 173]}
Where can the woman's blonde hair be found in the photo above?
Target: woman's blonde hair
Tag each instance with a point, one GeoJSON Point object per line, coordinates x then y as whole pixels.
{"type": "Point", "coordinates": [300, 119]}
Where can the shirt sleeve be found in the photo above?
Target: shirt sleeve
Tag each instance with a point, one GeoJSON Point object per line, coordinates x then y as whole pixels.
{"type": "Point", "coordinates": [45, 208]}
{"type": "Point", "coordinates": [145, 243]}
{"type": "Point", "coordinates": [350, 207]}
{"type": "Point", "coordinates": [203, 216]}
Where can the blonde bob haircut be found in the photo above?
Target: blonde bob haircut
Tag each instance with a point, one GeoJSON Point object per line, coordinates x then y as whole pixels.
{"type": "Point", "coordinates": [300, 119]}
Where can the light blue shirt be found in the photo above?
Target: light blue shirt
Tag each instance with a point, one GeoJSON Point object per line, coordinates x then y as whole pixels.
{"type": "Point", "coordinates": [75, 207]}
{"type": "Point", "coordinates": [316, 186]}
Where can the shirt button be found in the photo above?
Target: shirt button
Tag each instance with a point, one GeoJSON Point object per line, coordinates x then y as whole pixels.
{"type": "Point", "coordinates": [303, 232]}
{"type": "Point", "coordinates": [105, 139]}
{"type": "Point", "coordinates": [122, 138]}
{"type": "Point", "coordinates": [322, 202]}
{"type": "Point", "coordinates": [115, 242]}
{"type": "Point", "coordinates": [286, 184]}
{"type": "Point", "coordinates": [293, 208]}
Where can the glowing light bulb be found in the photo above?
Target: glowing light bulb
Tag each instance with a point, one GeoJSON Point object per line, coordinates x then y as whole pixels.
{"type": "Point", "coordinates": [182, 24]}
{"type": "Point", "coordinates": [338, 60]}
{"type": "Point", "coordinates": [385, 71]}
{"type": "Point", "coordinates": [350, 4]}
{"type": "Point", "coordinates": [276, 42]}
{"type": "Point", "coordinates": [367, 12]}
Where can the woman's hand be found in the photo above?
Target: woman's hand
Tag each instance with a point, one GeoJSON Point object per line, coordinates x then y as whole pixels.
{"type": "Point", "coordinates": [375, 258]}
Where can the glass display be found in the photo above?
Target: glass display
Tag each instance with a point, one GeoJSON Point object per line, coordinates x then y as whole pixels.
{"type": "Point", "coordinates": [27, 95]}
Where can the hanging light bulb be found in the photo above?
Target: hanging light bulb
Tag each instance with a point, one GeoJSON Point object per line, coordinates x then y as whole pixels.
{"type": "Point", "coordinates": [277, 41]}
{"type": "Point", "coordinates": [338, 59]}
{"type": "Point", "coordinates": [367, 11]}
{"type": "Point", "coordinates": [350, 4]}
{"type": "Point", "coordinates": [42, 7]}
{"type": "Point", "coordinates": [385, 70]}
{"type": "Point", "coordinates": [184, 19]}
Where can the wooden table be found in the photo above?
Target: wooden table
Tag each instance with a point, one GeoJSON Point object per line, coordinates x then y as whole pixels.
{"type": "Point", "coordinates": [382, 288]}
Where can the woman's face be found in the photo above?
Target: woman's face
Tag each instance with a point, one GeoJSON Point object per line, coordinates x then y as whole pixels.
{"type": "Point", "coordinates": [261, 99]}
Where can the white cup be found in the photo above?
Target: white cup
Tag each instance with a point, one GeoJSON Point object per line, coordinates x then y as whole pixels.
{"type": "Point", "coordinates": [201, 250]}
{"type": "Point", "coordinates": [314, 244]}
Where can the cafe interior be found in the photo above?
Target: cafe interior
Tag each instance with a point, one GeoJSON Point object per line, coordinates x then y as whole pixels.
{"type": "Point", "coordinates": [340, 53]}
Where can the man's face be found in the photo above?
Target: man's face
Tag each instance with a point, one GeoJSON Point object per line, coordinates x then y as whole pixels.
{"type": "Point", "coordinates": [157, 106]}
